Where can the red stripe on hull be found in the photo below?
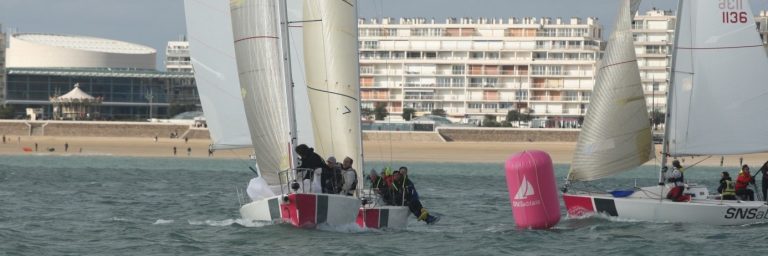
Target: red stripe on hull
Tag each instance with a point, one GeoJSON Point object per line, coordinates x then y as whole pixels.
{"type": "Point", "coordinates": [300, 210]}
{"type": "Point", "coordinates": [368, 218]}
{"type": "Point", "coordinates": [578, 205]}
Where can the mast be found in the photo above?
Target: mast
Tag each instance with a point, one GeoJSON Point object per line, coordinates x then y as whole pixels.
{"type": "Point", "coordinates": [670, 89]}
{"type": "Point", "coordinates": [288, 81]}
{"type": "Point", "coordinates": [360, 180]}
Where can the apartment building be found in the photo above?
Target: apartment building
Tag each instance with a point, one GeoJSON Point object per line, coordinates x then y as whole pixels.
{"type": "Point", "coordinates": [2, 65]}
{"type": "Point", "coordinates": [472, 68]}
{"type": "Point", "coordinates": [177, 58]}
{"type": "Point", "coordinates": [654, 36]}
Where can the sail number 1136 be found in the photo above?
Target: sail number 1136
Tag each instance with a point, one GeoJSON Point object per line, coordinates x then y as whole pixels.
{"type": "Point", "coordinates": [733, 11]}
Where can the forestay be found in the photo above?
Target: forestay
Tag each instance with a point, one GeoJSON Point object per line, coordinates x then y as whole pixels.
{"type": "Point", "coordinates": [213, 59]}
{"type": "Point", "coordinates": [255, 24]}
{"type": "Point", "coordinates": [719, 92]}
{"type": "Point", "coordinates": [332, 74]}
{"type": "Point", "coordinates": [616, 133]}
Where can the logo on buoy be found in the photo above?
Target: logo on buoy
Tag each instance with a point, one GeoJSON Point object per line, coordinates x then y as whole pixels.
{"type": "Point", "coordinates": [525, 190]}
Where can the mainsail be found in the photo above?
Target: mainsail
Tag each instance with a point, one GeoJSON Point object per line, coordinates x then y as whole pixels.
{"type": "Point", "coordinates": [213, 58]}
{"type": "Point", "coordinates": [616, 133]}
{"type": "Point", "coordinates": [718, 101]}
{"type": "Point", "coordinates": [332, 75]}
{"type": "Point", "coordinates": [256, 28]}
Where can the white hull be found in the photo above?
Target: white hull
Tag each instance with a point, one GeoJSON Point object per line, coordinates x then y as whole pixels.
{"type": "Point", "coordinates": [645, 205]}
{"type": "Point", "coordinates": [304, 210]}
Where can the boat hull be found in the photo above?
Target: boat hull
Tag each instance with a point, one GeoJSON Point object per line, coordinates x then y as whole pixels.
{"type": "Point", "coordinates": [304, 210]}
{"type": "Point", "coordinates": [392, 217]}
{"type": "Point", "coordinates": [702, 211]}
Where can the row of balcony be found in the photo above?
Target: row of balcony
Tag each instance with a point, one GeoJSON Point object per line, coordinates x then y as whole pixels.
{"type": "Point", "coordinates": [457, 47]}
{"type": "Point", "coordinates": [486, 73]}
{"type": "Point", "coordinates": [582, 99]}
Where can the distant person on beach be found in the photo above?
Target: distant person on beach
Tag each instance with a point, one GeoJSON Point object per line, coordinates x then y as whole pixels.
{"type": "Point", "coordinates": [210, 152]}
{"type": "Point", "coordinates": [66, 147]}
{"type": "Point", "coordinates": [742, 184]}
{"type": "Point", "coordinates": [350, 177]}
{"type": "Point", "coordinates": [155, 138]}
{"type": "Point", "coordinates": [726, 189]}
{"type": "Point", "coordinates": [404, 184]}
{"type": "Point", "coordinates": [189, 151]}
{"type": "Point", "coordinates": [35, 146]}
{"type": "Point", "coordinates": [763, 170]}
{"type": "Point", "coordinates": [174, 150]}
{"type": "Point", "coordinates": [3, 138]}
{"type": "Point", "coordinates": [186, 139]}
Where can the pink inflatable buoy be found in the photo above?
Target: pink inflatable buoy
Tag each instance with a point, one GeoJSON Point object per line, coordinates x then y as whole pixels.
{"type": "Point", "coordinates": [532, 190]}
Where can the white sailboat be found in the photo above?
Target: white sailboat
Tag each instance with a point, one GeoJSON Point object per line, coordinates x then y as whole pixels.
{"type": "Point", "coordinates": [262, 45]}
{"type": "Point", "coordinates": [717, 81]}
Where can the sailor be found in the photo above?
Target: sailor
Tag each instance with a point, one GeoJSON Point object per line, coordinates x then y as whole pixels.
{"type": "Point", "coordinates": [726, 189]}
{"type": "Point", "coordinates": [412, 197]}
{"type": "Point", "coordinates": [742, 183]}
{"type": "Point", "coordinates": [332, 179]}
{"type": "Point", "coordinates": [677, 178]}
{"type": "Point", "coordinates": [350, 177]}
{"type": "Point", "coordinates": [310, 162]}
{"type": "Point", "coordinates": [763, 170]}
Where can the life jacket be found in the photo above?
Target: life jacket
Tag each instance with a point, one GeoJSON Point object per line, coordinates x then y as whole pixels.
{"type": "Point", "coordinates": [729, 189]}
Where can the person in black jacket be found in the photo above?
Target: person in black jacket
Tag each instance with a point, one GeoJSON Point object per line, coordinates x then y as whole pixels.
{"type": "Point", "coordinates": [764, 171]}
{"type": "Point", "coordinates": [310, 161]}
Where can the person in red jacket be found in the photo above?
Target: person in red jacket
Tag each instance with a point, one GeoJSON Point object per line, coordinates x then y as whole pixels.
{"type": "Point", "coordinates": [742, 184]}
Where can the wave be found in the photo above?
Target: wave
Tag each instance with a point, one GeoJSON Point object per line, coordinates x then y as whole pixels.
{"type": "Point", "coordinates": [162, 221]}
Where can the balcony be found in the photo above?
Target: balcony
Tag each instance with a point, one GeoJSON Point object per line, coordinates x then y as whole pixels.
{"type": "Point", "coordinates": [558, 98]}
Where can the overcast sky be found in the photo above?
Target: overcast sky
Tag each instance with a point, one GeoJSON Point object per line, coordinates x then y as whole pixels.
{"type": "Point", "coordinates": [154, 22]}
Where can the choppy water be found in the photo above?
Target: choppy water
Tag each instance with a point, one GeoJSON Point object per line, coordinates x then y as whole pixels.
{"type": "Point", "coordinates": [156, 206]}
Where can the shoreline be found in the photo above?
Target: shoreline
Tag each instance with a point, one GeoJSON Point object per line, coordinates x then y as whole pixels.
{"type": "Point", "coordinates": [406, 151]}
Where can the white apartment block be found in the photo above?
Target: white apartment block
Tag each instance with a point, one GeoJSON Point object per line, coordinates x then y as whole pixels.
{"type": "Point", "coordinates": [177, 58]}
{"type": "Point", "coordinates": [476, 67]}
{"type": "Point", "coordinates": [654, 37]}
{"type": "Point", "coordinates": [762, 26]}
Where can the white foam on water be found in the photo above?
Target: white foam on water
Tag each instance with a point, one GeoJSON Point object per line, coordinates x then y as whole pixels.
{"type": "Point", "coordinates": [118, 219]}
{"type": "Point", "coordinates": [162, 221]}
{"type": "Point", "coordinates": [345, 228]}
{"type": "Point", "coordinates": [228, 222]}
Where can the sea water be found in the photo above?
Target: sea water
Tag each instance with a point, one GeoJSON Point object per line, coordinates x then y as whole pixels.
{"type": "Point", "coordinates": [80, 205]}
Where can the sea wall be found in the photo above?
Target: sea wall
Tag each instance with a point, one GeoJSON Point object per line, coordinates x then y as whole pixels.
{"type": "Point", "coordinates": [163, 130]}
{"type": "Point", "coordinates": [507, 135]}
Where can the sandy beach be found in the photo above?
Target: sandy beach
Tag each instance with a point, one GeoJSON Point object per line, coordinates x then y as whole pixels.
{"type": "Point", "coordinates": [453, 152]}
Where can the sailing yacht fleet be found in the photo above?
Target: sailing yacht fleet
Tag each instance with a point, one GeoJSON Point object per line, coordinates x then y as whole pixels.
{"type": "Point", "coordinates": [715, 88]}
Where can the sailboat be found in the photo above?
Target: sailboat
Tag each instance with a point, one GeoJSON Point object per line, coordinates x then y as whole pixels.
{"type": "Point", "coordinates": [332, 77]}
{"type": "Point", "coordinates": [714, 108]}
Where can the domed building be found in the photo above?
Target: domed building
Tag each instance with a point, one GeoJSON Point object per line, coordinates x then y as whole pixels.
{"type": "Point", "coordinates": [120, 76]}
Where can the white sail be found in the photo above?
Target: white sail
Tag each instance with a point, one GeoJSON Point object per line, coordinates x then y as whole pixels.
{"type": "Point", "coordinates": [616, 133]}
{"type": "Point", "coordinates": [719, 92]}
{"type": "Point", "coordinates": [256, 28]}
{"type": "Point", "coordinates": [213, 58]}
{"type": "Point", "coordinates": [332, 74]}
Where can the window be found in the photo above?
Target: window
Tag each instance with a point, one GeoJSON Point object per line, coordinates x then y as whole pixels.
{"type": "Point", "coordinates": [457, 69]}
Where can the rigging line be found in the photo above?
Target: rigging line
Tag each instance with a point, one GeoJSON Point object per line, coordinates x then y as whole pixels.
{"type": "Point", "coordinates": [691, 21]}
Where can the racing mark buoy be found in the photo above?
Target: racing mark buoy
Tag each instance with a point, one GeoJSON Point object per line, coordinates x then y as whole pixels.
{"type": "Point", "coordinates": [532, 190]}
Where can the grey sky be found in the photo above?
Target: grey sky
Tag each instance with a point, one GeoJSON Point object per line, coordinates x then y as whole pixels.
{"type": "Point", "coordinates": [154, 22]}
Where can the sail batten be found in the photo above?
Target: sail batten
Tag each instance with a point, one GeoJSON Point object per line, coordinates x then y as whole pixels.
{"type": "Point", "coordinates": [616, 134]}
{"type": "Point", "coordinates": [213, 59]}
{"type": "Point", "coordinates": [716, 105]}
